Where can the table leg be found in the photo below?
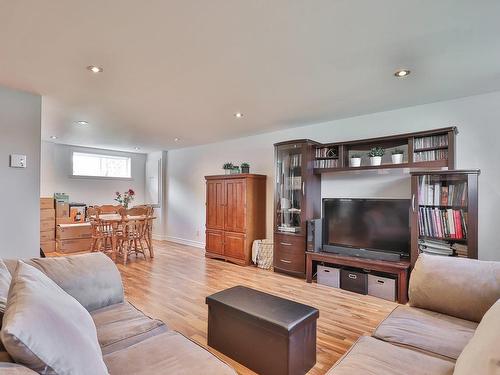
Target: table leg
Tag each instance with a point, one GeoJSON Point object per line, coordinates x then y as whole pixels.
{"type": "Point", "coordinates": [150, 240]}
{"type": "Point", "coordinates": [309, 264]}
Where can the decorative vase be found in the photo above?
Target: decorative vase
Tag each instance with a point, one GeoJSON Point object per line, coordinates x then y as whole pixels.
{"type": "Point", "coordinates": [355, 162]}
{"type": "Point", "coordinates": [375, 160]}
{"type": "Point", "coordinates": [397, 158]}
{"type": "Point", "coordinates": [228, 171]}
{"type": "Point", "coordinates": [245, 169]}
{"type": "Point", "coordinates": [235, 170]}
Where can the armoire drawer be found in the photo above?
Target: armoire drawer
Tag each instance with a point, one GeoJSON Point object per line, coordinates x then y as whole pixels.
{"type": "Point", "coordinates": [289, 253]}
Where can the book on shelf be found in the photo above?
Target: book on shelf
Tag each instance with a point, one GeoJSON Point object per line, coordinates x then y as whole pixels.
{"type": "Point", "coordinates": [431, 155]}
{"type": "Point", "coordinates": [430, 141]}
{"type": "Point", "coordinates": [295, 160]}
{"type": "Point", "coordinates": [326, 152]}
{"type": "Point", "coordinates": [442, 223]}
{"type": "Point", "coordinates": [435, 247]}
{"type": "Point", "coordinates": [435, 194]}
{"type": "Point", "coordinates": [460, 249]}
{"type": "Point", "coordinates": [326, 163]}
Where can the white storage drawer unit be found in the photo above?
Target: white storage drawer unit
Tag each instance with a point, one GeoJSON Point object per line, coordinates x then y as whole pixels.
{"type": "Point", "coordinates": [329, 276]}
{"type": "Point", "coordinates": [381, 287]}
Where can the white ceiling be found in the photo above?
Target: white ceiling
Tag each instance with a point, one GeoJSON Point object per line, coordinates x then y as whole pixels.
{"type": "Point", "coordinates": [182, 68]}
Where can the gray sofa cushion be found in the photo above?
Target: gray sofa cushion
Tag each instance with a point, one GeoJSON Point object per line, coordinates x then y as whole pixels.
{"type": "Point", "coordinates": [172, 354]}
{"type": "Point", "coordinates": [122, 325]}
{"type": "Point", "coordinates": [92, 279]}
{"type": "Point", "coordinates": [459, 287]}
{"type": "Point", "coordinates": [46, 329]}
{"type": "Point", "coordinates": [426, 330]}
{"type": "Point", "coordinates": [482, 353]}
{"type": "Point", "coordinates": [369, 356]}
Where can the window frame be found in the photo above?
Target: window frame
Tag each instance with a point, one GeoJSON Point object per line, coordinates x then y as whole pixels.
{"type": "Point", "coordinates": [102, 155]}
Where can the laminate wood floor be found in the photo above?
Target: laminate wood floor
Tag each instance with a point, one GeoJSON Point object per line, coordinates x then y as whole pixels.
{"type": "Point", "coordinates": [173, 286]}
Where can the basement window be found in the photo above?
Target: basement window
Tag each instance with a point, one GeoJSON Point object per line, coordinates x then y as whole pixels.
{"type": "Point", "coordinates": [98, 165]}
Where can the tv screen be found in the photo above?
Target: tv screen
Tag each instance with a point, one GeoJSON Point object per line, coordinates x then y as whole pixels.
{"type": "Point", "coordinates": [371, 224]}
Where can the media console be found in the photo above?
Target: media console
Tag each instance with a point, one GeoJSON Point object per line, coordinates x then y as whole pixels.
{"type": "Point", "coordinates": [400, 269]}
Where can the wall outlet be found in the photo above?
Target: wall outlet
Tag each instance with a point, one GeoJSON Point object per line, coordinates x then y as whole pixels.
{"type": "Point", "coordinates": [17, 161]}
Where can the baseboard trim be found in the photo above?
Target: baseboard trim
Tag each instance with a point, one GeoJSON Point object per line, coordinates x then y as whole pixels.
{"type": "Point", "coordinates": [184, 241]}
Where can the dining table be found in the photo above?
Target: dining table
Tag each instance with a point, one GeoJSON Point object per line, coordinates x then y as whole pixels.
{"type": "Point", "coordinates": [116, 219]}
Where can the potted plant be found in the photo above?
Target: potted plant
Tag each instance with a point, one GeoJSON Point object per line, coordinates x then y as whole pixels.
{"type": "Point", "coordinates": [235, 170]}
{"type": "Point", "coordinates": [228, 167]}
{"type": "Point", "coordinates": [375, 155]}
{"type": "Point", "coordinates": [125, 198]}
{"type": "Point", "coordinates": [245, 168]}
{"type": "Point", "coordinates": [397, 156]}
{"type": "Point", "coordinates": [355, 160]}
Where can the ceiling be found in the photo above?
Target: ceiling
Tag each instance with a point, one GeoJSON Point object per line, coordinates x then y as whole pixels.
{"type": "Point", "coordinates": [182, 68]}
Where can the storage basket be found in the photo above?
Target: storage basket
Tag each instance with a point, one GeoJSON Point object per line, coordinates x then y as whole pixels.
{"type": "Point", "coordinates": [262, 253]}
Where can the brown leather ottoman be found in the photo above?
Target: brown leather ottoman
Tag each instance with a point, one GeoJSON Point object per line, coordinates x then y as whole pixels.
{"type": "Point", "coordinates": [268, 334]}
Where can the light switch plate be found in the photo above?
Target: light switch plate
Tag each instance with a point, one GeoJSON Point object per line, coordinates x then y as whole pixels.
{"type": "Point", "coordinates": [17, 161]}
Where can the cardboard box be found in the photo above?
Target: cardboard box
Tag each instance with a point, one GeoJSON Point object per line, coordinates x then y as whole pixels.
{"type": "Point", "coordinates": [62, 210]}
{"type": "Point", "coordinates": [64, 220]}
{"type": "Point", "coordinates": [47, 215]}
{"type": "Point", "coordinates": [46, 203]}
{"type": "Point", "coordinates": [47, 224]}
{"type": "Point", "coordinates": [72, 231]}
{"type": "Point", "coordinates": [73, 245]}
{"type": "Point", "coordinates": [48, 235]}
{"type": "Point", "coordinates": [48, 246]}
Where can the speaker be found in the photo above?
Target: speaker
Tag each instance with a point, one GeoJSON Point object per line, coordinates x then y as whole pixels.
{"type": "Point", "coordinates": [314, 235]}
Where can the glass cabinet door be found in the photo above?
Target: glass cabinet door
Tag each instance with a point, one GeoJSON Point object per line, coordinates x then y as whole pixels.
{"type": "Point", "coordinates": [289, 187]}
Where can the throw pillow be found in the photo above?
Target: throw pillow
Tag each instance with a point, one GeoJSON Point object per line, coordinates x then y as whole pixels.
{"type": "Point", "coordinates": [46, 329]}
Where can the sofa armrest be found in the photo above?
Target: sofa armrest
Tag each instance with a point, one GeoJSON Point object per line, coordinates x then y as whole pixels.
{"type": "Point", "coordinates": [92, 279]}
{"type": "Point", "coordinates": [460, 287]}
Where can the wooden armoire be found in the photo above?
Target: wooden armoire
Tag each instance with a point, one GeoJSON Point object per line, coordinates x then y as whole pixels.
{"type": "Point", "coordinates": [235, 216]}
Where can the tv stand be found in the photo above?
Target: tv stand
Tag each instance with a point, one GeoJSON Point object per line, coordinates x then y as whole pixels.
{"type": "Point", "coordinates": [399, 269]}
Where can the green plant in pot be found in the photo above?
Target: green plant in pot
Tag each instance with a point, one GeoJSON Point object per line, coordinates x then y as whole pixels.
{"type": "Point", "coordinates": [245, 168]}
{"type": "Point", "coordinates": [355, 160]}
{"type": "Point", "coordinates": [235, 170]}
{"type": "Point", "coordinates": [375, 155]}
{"type": "Point", "coordinates": [397, 156]}
{"type": "Point", "coordinates": [228, 167]}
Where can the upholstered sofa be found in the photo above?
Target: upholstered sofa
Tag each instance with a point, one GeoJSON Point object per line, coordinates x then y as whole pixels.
{"type": "Point", "coordinates": [130, 341]}
{"type": "Point", "coordinates": [451, 325]}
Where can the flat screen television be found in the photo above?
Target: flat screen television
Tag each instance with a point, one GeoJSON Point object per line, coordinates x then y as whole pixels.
{"type": "Point", "coordinates": [363, 227]}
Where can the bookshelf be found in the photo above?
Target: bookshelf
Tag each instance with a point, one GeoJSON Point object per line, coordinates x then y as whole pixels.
{"type": "Point", "coordinates": [427, 149]}
{"type": "Point", "coordinates": [444, 212]}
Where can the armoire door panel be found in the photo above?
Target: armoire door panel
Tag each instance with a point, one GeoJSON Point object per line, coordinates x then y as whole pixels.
{"type": "Point", "coordinates": [215, 241]}
{"type": "Point", "coordinates": [234, 245]}
{"type": "Point", "coordinates": [215, 204]}
{"type": "Point", "coordinates": [235, 205]}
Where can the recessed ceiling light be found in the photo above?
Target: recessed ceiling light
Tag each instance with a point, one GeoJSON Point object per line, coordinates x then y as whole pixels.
{"type": "Point", "coordinates": [137, 148]}
{"type": "Point", "coordinates": [238, 115]}
{"type": "Point", "coordinates": [177, 139]}
{"type": "Point", "coordinates": [82, 123]}
{"type": "Point", "coordinates": [53, 137]}
{"type": "Point", "coordinates": [95, 69]}
{"type": "Point", "coordinates": [402, 73]}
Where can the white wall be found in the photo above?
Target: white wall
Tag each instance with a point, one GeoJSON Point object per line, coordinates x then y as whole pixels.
{"type": "Point", "coordinates": [20, 119]}
{"type": "Point", "coordinates": [56, 176]}
{"type": "Point", "coordinates": [477, 118]}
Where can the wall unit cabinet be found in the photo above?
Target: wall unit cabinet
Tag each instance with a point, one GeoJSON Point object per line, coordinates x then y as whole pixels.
{"type": "Point", "coordinates": [297, 199]}
{"type": "Point", "coordinates": [235, 215]}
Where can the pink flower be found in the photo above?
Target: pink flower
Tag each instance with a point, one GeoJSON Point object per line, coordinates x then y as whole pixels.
{"type": "Point", "coordinates": [131, 192]}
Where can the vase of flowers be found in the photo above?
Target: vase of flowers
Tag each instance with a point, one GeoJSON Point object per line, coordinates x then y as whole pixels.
{"type": "Point", "coordinates": [375, 155]}
{"type": "Point", "coordinates": [125, 198]}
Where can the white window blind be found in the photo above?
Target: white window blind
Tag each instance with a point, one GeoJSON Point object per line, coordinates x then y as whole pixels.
{"type": "Point", "coordinates": [97, 165]}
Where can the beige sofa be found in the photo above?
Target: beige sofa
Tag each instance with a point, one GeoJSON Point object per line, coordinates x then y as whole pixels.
{"type": "Point", "coordinates": [131, 342]}
{"type": "Point", "coordinates": [451, 326]}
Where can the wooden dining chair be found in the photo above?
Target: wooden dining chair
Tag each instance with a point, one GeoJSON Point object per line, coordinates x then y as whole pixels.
{"type": "Point", "coordinates": [102, 233]}
{"type": "Point", "coordinates": [149, 212]}
{"type": "Point", "coordinates": [133, 236]}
